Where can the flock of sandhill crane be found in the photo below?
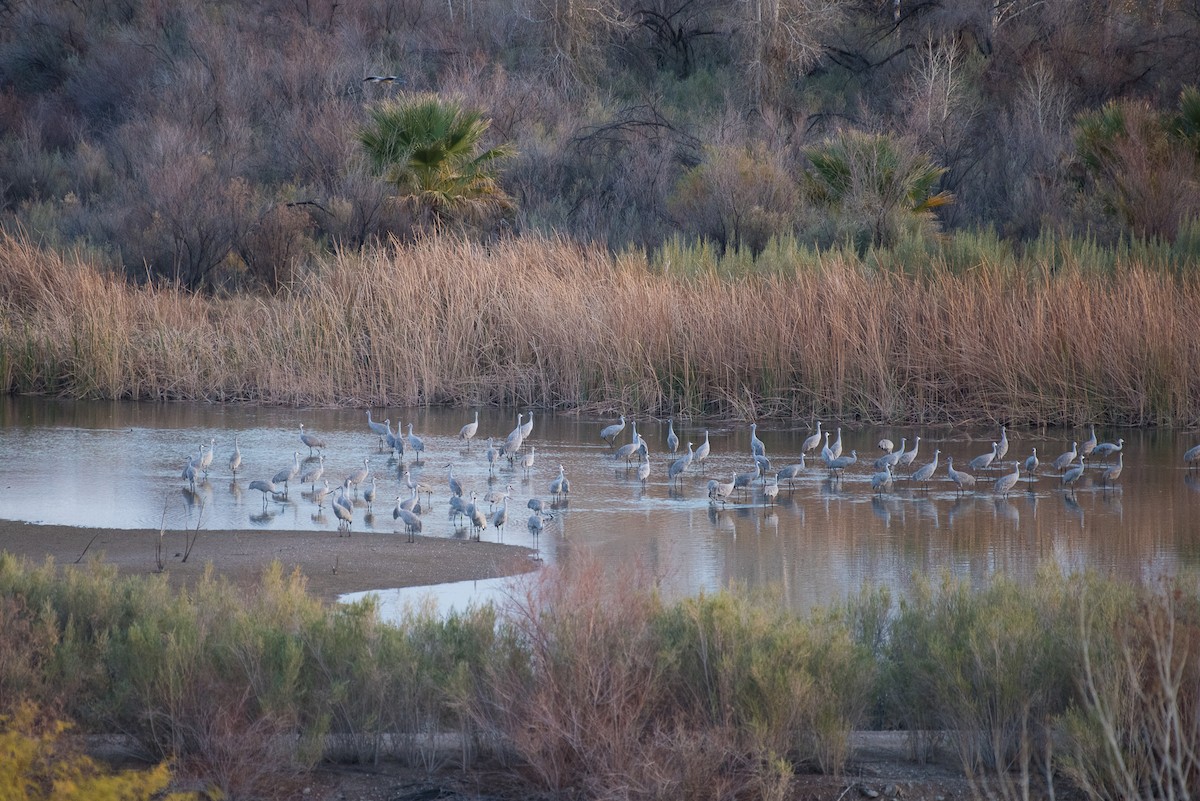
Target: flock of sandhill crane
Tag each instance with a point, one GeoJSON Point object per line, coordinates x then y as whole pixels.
{"type": "Point", "coordinates": [1069, 466]}
{"type": "Point", "coordinates": [407, 510]}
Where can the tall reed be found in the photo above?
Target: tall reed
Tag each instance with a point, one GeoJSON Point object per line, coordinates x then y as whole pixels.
{"type": "Point", "coordinates": [1035, 339]}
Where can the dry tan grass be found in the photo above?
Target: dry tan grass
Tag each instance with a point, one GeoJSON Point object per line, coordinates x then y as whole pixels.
{"type": "Point", "coordinates": [551, 323]}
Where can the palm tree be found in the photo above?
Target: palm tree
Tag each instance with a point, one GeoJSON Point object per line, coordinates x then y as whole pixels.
{"type": "Point", "coordinates": [429, 149]}
{"type": "Point", "coordinates": [877, 186]}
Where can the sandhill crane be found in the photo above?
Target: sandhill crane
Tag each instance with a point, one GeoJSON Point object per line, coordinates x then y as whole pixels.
{"type": "Point", "coordinates": [1006, 482]}
{"type": "Point", "coordinates": [458, 507]}
{"type": "Point", "coordinates": [1032, 463]}
{"type": "Point", "coordinates": [926, 471]}
{"type": "Point", "coordinates": [407, 480]}
{"type": "Point", "coordinates": [263, 486]}
{"type": "Point", "coordinates": [288, 474]}
{"type": "Point", "coordinates": [626, 451]}
{"type": "Point", "coordinates": [528, 460]}
{"type": "Point", "coordinates": [703, 451]}
{"type": "Point", "coordinates": [1089, 444]}
{"type": "Point", "coordinates": [891, 458]}
{"type": "Point", "coordinates": [235, 458]}
{"type": "Point", "coordinates": [527, 427]}
{"type": "Point", "coordinates": [468, 431]}
{"type": "Point", "coordinates": [311, 441]}
{"type": "Point", "coordinates": [757, 446]}
{"type": "Point", "coordinates": [189, 473]}
{"type": "Point", "coordinates": [415, 444]}
{"type": "Point", "coordinates": [319, 495]}
{"type": "Point", "coordinates": [882, 480]}
{"type": "Point", "coordinates": [412, 523]}
{"type": "Point", "coordinates": [908, 457]}
{"type": "Point", "coordinates": [311, 477]}
{"type": "Point", "coordinates": [560, 486]}
{"type": "Point", "coordinates": [495, 496]}
{"type": "Point", "coordinates": [206, 457]}
{"type": "Point", "coordinates": [535, 525]}
{"type": "Point", "coordinates": [453, 483]}
{"type": "Point", "coordinates": [743, 480]}
{"type": "Point", "coordinates": [964, 481]}
{"type": "Point", "coordinates": [764, 465]}
{"type": "Point", "coordinates": [812, 440]}
{"type": "Point", "coordinates": [1072, 474]}
{"type": "Point", "coordinates": [514, 440]}
{"type": "Point", "coordinates": [677, 468]}
{"type": "Point", "coordinates": [1105, 450]}
{"type": "Point", "coordinates": [839, 464]}
{"type": "Point", "coordinates": [719, 491]}
{"type": "Point", "coordinates": [985, 461]}
{"type": "Point", "coordinates": [609, 433]}
{"type": "Point", "coordinates": [1192, 456]}
{"type": "Point", "coordinates": [1111, 474]}
{"type": "Point", "coordinates": [886, 445]}
{"type": "Point", "coordinates": [826, 451]}
{"type": "Point", "coordinates": [770, 491]}
{"type": "Point", "coordinates": [395, 442]}
{"type": "Point", "coordinates": [643, 471]}
{"type": "Point", "coordinates": [491, 454]}
{"type": "Point", "coordinates": [836, 448]}
{"type": "Point", "coordinates": [672, 437]}
{"type": "Point", "coordinates": [478, 519]}
{"type": "Point", "coordinates": [501, 517]}
{"type": "Point", "coordinates": [379, 428]}
{"type": "Point", "coordinates": [369, 494]}
{"type": "Point", "coordinates": [1002, 445]}
{"type": "Point", "coordinates": [359, 475]}
{"type": "Point", "coordinates": [413, 504]}
{"type": "Point", "coordinates": [343, 511]}
{"type": "Point", "coordinates": [791, 472]}
{"type": "Point", "coordinates": [1060, 463]}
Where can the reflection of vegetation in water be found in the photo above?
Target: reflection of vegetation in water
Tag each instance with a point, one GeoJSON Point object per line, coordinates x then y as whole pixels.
{"type": "Point", "coordinates": [590, 680]}
{"type": "Point", "coordinates": [961, 332]}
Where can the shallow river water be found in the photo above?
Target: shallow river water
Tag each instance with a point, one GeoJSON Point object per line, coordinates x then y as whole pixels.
{"type": "Point", "coordinates": [119, 465]}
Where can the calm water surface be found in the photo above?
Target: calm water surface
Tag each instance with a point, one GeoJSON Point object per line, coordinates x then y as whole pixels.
{"type": "Point", "coordinates": [118, 465]}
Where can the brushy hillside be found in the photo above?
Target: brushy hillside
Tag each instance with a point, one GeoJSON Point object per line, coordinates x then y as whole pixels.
{"type": "Point", "coordinates": [1065, 334]}
{"type": "Point", "coordinates": [215, 143]}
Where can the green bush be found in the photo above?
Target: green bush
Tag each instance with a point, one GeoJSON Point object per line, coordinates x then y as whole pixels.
{"type": "Point", "coordinates": [588, 683]}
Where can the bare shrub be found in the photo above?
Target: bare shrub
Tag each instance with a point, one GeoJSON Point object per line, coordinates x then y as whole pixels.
{"type": "Point", "coordinates": [1137, 732]}
{"type": "Point", "coordinates": [187, 210]}
{"type": "Point", "coordinates": [779, 39]}
{"type": "Point", "coordinates": [576, 32]}
{"type": "Point", "coordinates": [578, 698]}
{"type": "Point", "coordinates": [276, 245]}
{"type": "Point", "coordinates": [737, 197]}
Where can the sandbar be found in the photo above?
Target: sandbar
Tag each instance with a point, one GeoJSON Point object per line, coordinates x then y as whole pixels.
{"type": "Point", "coordinates": [332, 565]}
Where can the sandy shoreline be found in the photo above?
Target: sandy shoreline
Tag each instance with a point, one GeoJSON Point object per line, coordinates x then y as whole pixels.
{"type": "Point", "coordinates": [332, 565]}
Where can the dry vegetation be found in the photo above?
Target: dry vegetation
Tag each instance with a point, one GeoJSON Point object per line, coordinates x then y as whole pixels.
{"type": "Point", "coordinates": [592, 686]}
{"type": "Point", "coordinates": [546, 322]}
{"type": "Point", "coordinates": [716, 208]}
{"type": "Point", "coordinates": [215, 144]}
